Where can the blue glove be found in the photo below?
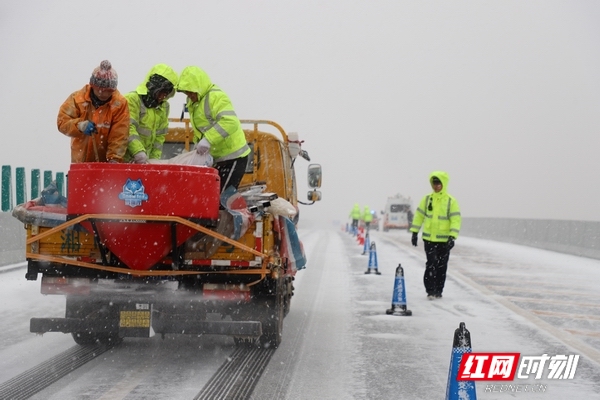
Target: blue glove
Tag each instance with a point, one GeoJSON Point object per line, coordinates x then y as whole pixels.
{"type": "Point", "coordinates": [87, 127]}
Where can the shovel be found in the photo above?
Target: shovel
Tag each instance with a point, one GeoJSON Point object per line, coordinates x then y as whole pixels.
{"type": "Point", "coordinates": [95, 146]}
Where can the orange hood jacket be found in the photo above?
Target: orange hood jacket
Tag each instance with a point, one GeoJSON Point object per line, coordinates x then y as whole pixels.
{"type": "Point", "coordinates": [112, 123]}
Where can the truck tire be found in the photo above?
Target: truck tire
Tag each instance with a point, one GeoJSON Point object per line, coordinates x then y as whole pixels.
{"type": "Point", "coordinates": [84, 308]}
{"type": "Point", "coordinates": [288, 293]}
{"type": "Point", "coordinates": [272, 312]}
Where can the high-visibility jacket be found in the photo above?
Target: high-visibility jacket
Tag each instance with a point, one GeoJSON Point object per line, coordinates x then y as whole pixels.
{"type": "Point", "coordinates": [438, 213]}
{"type": "Point", "coordinates": [148, 126]}
{"type": "Point", "coordinates": [213, 117]}
{"type": "Point", "coordinates": [367, 216]}
{"type": "Point", "coordinates": [112, 124]}
{"type": "Point", "coordinates": [355, 213]}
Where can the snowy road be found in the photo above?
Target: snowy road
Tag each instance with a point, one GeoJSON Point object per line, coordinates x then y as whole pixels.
{"type": "Point", "coordinates": [338, 342]}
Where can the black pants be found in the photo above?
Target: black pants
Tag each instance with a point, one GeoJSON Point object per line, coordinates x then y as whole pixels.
{"type": "Point", "coordinates": [435, 267]}
{"type": "Point", "coordinates": [231, 172]}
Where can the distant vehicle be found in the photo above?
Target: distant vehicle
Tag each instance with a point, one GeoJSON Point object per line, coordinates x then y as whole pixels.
{"type": "Point", "coordinates": [397, 213]}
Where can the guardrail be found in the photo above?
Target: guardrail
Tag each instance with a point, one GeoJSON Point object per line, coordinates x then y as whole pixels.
{"type": "Point", "coordinates": [580, 238]}
{"type": "Point", "coordinates": [18, 190]}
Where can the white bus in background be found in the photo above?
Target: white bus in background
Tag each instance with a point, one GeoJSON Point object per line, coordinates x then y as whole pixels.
{"type": "Point", "coordinates": [397, 213]}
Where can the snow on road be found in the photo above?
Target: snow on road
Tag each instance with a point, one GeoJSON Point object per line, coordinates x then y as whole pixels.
{"type": "Point", "coordinates": [338, 341]}
{"type": "Point", "coordinates": [382, 357]}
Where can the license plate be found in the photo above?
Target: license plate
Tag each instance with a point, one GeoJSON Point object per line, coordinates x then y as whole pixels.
{"type": "Point", "coordinates": [134, 319]}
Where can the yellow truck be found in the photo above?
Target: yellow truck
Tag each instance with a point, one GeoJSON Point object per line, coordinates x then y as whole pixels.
{"type": "Point", "coordinates": [145, 249]}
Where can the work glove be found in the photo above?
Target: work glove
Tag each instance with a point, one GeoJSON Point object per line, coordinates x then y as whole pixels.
{"type": "Point", "coordinates": [203, 146]}
{"type": "Point", "coordinates": [450, 243]}
{"type": "Point", "coordinates": [140, 158]}
{"type": "Point", "coordinates": [415, 237]}
{"type": "Point", "coordinates": [86, 127]}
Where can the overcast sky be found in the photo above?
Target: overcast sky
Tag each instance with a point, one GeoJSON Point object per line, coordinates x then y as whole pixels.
{"type": "Point", "coordinates": [503, 95]}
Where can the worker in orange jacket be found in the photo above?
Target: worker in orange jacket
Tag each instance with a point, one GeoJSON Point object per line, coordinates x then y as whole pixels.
{"type": "Point", "coordinates": [96, 118]}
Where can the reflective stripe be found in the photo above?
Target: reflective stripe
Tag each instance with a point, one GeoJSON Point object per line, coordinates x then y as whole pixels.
{"type": "Point", "coordinates": [213, 122]}
{"type": "Point", "coordinates": [163, 131]}
{"type": "Point", "coordinates": [454, 214]}
{"type": "Point", "coordinates": [144, 131]}
{"type": "Point", "coordinates": [224, 134]}
{"type": "Point", "coordinates": [226, 112]}
{"type": "Point", "coordinates": [457, 231]}
{"type": "Point", "coordinates": [133, 138]}
{"type": "Point", "coordinates": [425, 234]}
{"type": "Point", "coordinates": [207, 112]}
{"type": "Point", "coordinates": [443, 218]}
{"type": "Point", "coordinates": [442, 236]}
{"type": "Point", "coordinates": [420, 211]}
{"type": "Point", "coordinates": [234, 155]}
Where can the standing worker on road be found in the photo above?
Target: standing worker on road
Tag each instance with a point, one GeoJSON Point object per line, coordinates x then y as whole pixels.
{"type": "Point", "coordinates": [96, 118]}
{"type": "Point", "coordinates": [149, 114]}
{"type": "Point", "coordinates": [441, 214]}
{"type": "Point", "coordinates": [367, 217]}
{"type": "Point", "coordinates": [217, 128]}
{"type": "Point", "coordinates": [355, 216]}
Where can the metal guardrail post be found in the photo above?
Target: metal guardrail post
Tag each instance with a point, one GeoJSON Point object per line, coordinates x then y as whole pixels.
{"type": "Point", "coordinates": [60, 182]}
{"type": "Point", "coordinates": [47, 178]}
{"type": "Point", "coordinates": [6, 188]}
{"type": "Point", "coordinates": [21, 185]}
{"type": "Point", "coordinates": [35, 184]}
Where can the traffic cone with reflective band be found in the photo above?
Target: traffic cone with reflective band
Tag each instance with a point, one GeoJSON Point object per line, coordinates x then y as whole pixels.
{"type": "Point", "coordinates": [367, 244]}
{"type": "Point", "coordinates": [460, 390]}
{"type": "Point", "coordinates": [361, 237]}
{"type": "Point", "coordinates": [399, 297]}
{"type": "Point", "coordinates": [372, 260]}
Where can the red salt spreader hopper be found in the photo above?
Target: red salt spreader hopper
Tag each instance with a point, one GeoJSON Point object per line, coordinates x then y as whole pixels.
{"type": "Point", "coordinates": [117, 197]}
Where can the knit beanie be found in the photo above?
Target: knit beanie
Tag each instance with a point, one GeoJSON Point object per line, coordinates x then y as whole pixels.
{"type": "Point", "coordinates": [104, 76]}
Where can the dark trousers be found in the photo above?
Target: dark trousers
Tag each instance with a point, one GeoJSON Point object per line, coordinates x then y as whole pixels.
{"type": "Point", "coordinates": [231, 172]}
{"type": "Point", "coordinates": [435, 267]}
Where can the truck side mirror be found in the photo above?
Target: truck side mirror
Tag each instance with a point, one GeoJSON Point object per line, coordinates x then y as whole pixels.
{"type": "Point", "coordinates": [314, 195]}
{"type": "Point", "coordinates": [314, 176]}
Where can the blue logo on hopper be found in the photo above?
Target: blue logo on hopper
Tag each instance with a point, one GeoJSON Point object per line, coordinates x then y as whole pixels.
{"type": "Point", "coordinates": [133, 193]}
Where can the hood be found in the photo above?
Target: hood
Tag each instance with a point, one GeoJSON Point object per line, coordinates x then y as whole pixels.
{"type": "Point", "coordinates": [163, 70]}
{"type": "Point", "coordinates": [194, 79]}
{"type": "Point", "coordinates": [442, 176]}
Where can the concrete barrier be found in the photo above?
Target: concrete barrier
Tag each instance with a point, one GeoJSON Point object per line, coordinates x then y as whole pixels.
{"type": "Point", "coordinates": [12, 237]}
{"type": "Point", "coordinates": [580, 238]}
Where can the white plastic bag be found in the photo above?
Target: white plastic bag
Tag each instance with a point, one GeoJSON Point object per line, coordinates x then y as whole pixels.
{"type": "Point", "coordinates": [282, 207]}
{"type": "Point", "coordinates": [188, 158]}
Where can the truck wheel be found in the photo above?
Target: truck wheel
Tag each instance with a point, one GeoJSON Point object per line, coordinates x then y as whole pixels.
{"type": "Point", "coordinates": [272, 314]}
{"type": "Point", "coordinates": [81, 308]}
{"type": "Point", "coordinates": [288, 293]}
